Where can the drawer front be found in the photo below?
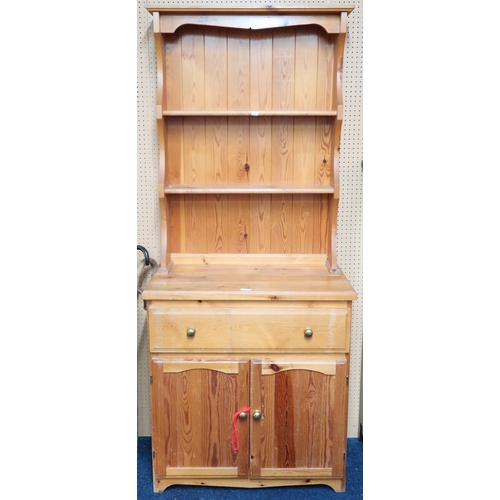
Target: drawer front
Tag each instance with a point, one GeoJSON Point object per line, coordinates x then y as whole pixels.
{"type": "Point", "coordinates": [168, 329]}
{"type": "Point", "coordinates": [257, 329]}
{"type": "Point", "coordinates": [282, 330]}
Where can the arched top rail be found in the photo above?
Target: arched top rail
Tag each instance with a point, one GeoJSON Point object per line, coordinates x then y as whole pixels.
{"type": "Point", "coordinates": [332, 20]}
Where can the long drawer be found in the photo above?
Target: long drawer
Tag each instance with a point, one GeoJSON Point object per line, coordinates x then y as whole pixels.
{"type": "Point", "coordinates": [256, 329]}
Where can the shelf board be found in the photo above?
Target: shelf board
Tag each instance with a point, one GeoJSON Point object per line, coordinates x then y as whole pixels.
{"type": "Point", "coordinates": [288, 9]}
{"type": "Point", "coordinates": [203, 112]}
{"type": "Point", "coordinates": [256, 277]}
{"type": "Point", "coordinates": [249, 189]}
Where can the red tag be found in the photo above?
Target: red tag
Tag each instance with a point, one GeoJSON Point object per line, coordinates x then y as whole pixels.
{"type": "Point", "coordinates": [234, 439]}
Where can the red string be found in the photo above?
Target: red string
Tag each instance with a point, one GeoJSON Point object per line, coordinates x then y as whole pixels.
{"type": "Point", "coordinates": [234, 439]}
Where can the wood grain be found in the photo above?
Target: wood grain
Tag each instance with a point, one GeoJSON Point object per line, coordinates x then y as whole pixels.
{"type": "Point", "coordinates": [238, 150]}
{"type": "Point", "coordinates": [170, 23]}
{"type": "Point", "coordinates": [216, 151]}
{"type": "Point", "coordinates": [216, 76]}
{"type": "Point", "coordinates": [256, 112]}
{"type": "Point", "coordinates": [339, 434]}
{"type": "Point", "coordinates": [198, 408]}
{"type": "Point", "coordinates": [258, 436]}
{"type": "Point", "coordinates": [302, 416]}
{"type": "Point", "coordinates": [160, 422]}
{"type": "Point", "coordinates": [193, 69]}
{"type": "Point", "coordinates": [215, 223]}
{"type": "Point", "coordinates": [194, 472]}
{"type": "Point", "coordinates": [283, 69]}
{"type": "Point", "coordinates": [305, 150]}
{"type": "Point", "coordinates": [260, 224]}
{"type": "Point", "coordinates": [248, 189]}
{"type": "Point", "coordinates": [303, 223]}
{"type": "Point", "coordinates": [326, 72]}
{"type": "Point", "coordinates": [282, 136]}
{"type": "Point", "coordinates": [160, 484]}
{"type": "Point", "coordinates": [234, 328]}
{"type": "Point", "coordinates": [306, 67]}
{"type": "Point", "coordinates": [243, 400]}
{"type": "Point", "coordinates": [238, 70]}
{"type": "Point", "coordinates": [174, 149]}
{"type": "Point", "coordinates": [260, 172]}
{"type": "Point", "coordinates": [172, 71]}
{"type": "Point", "coordinates": [261, 70]}
{"type": "Point", "coordinates": [239, 224]}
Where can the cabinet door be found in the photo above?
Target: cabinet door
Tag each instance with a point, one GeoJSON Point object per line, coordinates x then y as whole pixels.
{"type": "Point", "coordinates": [302, 428]}
{"type": "Point", "coordinates": [194, 402]}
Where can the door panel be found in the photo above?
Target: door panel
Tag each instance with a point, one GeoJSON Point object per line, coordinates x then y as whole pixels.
{"type": "Point", "coordinates": [302, 429]}
{"type": "Point", "coordinates": [193, 417]}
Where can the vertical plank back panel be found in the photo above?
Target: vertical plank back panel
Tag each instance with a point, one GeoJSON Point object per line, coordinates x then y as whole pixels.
{"type": "Point", "coordinates": [306, 68]}
{"type": "Point", "coordinates": [325, 75]}
{"type": "Point", "coordinates": [261, 65]}
{"type": "Point", "coordinates": [238, 70]}
{"type": "Point", "coordinates": [193, 169]}
{"type": "Point", "coordinates": [173, 65]}
{"type": "Point", "coordinates": [283, 69]}
{"type": "Point", "coordinates": [238, 150]}
{"type": "Point", "coordinates": [216, 75]}
{"type": "Point", "coordinates": [304, 150]}
{"type": "Point", "coordinates": [229, 69]}
{"type": "Point", "coordinates": [177, 223]}
{"type": "Point", "coordinates": [281, 223]}
{"type": "Point", "coordinates": [220, 223]}
{"type": "Point", "coordinates": [260, 224]}
{"type": "Point", "coordinates": [217, 210]}
{"type": "Point", "coordinates": [216, 137]}
{"type": "Point", "coordinates": [320, 220]}
{"type": "Point", "coordinates": [239, 223]}
{"type": "Point", "coordinates": [282, 137]}
{"type": "Point", "coordinates": [195, 210]}
{"type": "Point", "coordinates": [173, 149]}
{"type": "Point", "coordinates": [323, 162]}
{"type": "Point", "coordinates": [303, 228]}
{"type": "Point", "coordinates": [193, 69]}
{"type": "Point", "coordinates": [260, 172]}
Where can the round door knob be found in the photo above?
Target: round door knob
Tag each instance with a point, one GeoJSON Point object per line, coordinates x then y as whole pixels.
{"type": "Point", "coordinates": [256, 415]}
{"type": "Point", "coordinates": [190, 331]}
{"type": "Point", "coordinates": [243, 415]}
{"type": "Point", "coordinates": [308, 332]}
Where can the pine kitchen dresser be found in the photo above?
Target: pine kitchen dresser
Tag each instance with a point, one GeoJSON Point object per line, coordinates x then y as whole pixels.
{"type": "Point", "coordinates": [249, 315]}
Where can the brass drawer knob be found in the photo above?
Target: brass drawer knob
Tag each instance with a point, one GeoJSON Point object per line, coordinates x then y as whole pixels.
{"type": "Point", "coordinates": [243, 415]}
{"type": "Point", "coordinates": [308, 332]}
{"type": "Point", "coordinates": [256, 415]}
{"type": "Point", "coordinates": [191, 331]}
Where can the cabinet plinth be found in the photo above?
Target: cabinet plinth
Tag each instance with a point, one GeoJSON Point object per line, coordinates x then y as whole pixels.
{"type": "Point", "coordinates": [249, 315]}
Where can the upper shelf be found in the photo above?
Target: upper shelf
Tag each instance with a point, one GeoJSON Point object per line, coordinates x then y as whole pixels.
{"type": "Point", "coordinates": [289, 9]}
{"type": "Point", "coordinates": [202, 112]}
{"type": "Point", "coordinates": [249, 189]}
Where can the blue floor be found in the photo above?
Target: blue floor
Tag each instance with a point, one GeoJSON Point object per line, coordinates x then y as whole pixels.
{"type": "Point", "coordinates": [354, 484]}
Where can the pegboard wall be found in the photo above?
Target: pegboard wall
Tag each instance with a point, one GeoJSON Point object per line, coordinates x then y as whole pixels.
{"type": "Point", "coordinates": [349, 229]}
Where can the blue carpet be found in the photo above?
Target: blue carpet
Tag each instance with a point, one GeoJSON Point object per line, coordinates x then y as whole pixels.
{"type": "Point", "coordinates": [354, 484]}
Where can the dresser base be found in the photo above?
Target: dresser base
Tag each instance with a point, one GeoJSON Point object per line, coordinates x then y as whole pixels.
{"type": "Point", "coordinates": [161, 484]}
